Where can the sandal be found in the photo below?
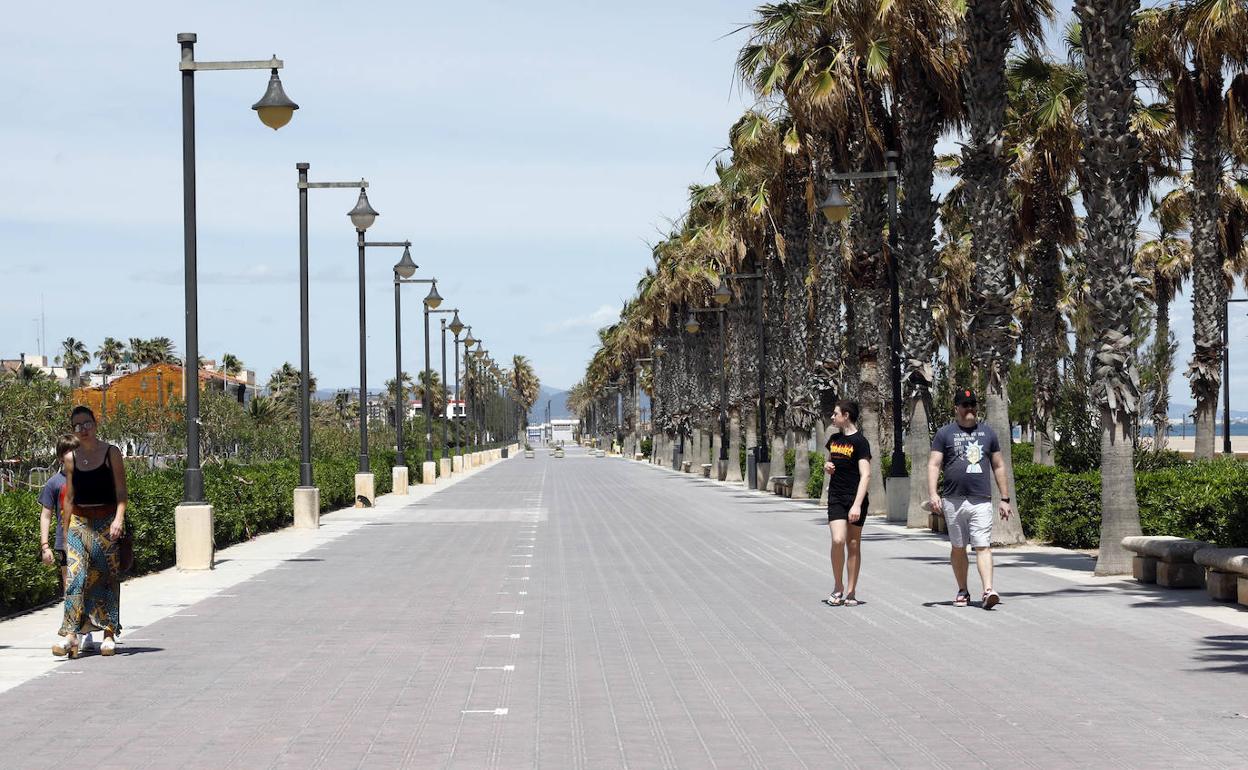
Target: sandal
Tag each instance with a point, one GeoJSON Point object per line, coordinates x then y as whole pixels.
{"type": "Point", "coordinates": [990, 599]}
{"type": "Point", "coordinates": [963, 599]}
{"type": "Point", "coordinates": [850, 601]}
{"type": "Point", "coordinates": [835, 599]}
{"type": "Point", "coordinates": [66, 647]}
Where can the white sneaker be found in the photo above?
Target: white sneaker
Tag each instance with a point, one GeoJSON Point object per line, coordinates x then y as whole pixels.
{"type": "Point", "coordinates": [108, 647]}
{"type": "Point", "coordinates": [87, 644]}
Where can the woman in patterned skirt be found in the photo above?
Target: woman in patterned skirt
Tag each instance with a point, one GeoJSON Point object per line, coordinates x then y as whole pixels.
{"type": "Point", "coordinates": [95, 499]}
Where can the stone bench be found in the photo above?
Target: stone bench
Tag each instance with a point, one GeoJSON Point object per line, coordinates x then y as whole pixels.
{"type": "Point", "coordinates": [936, 523]}
{"type": "Point", "coordinates": [706, 470]}
{"type": "Point", "coordinates": [686, 466]}
{"type": "Point", "coordinates": [1226, 573]}
{"type": "Point", "coordinates": [1166, 561]}
{"type": "Point", "coordinates": [783, 485]}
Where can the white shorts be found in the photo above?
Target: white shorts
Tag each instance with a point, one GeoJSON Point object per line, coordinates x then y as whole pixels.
{"type": "Point", "coordinates": [969, 523]}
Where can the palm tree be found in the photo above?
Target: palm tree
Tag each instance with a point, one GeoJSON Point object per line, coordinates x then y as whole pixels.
{"type": "Point", "coordinates": [284, 384]}
{"type": "Point", "coordinates": [989, 29]}
{"type": "Point", "coordinates": [397, 396]}
{"type": "Point", "coordinates": [525, 384]}
{"type": "Point", "coordinates": [73, 357]}
{"type": "Point", "coordinates": [265, 410]}
{"type": "Point", "coordinates": [1191, 45]}
{"type": "Point", "coordinates": [1046, 100]}
{"type": "Point", "coordinates": [1165, 261]}
{"type": "Point", "coordinates": [109, 355]}
{"type": "Point", "coordinates": [1110, 196]}
{"type": "Point", "coordinates": [428, 382]}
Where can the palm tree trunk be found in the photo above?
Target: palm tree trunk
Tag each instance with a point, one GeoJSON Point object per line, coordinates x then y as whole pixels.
{"type": "Point", "coordinates": [801, 465]}
{"type": "Point", "coordinates": [1111, 197]}
{"type": "Point", "coordinates": [1208, 285]}
{"type": "Point", "coordinates": [869, 424]}
{"type": "Point", "coordinates": [733, 472]}
{"type": "Point", "coordinates": [1163, 357]}
{"type": "Point", "coordinates": [918, 447]}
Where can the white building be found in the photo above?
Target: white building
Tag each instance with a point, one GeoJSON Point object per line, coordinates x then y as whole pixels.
{"type": "Point", "coordinates": [563, 431]}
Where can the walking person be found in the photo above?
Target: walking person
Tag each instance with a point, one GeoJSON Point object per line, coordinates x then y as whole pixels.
{"type": "Point", "coordinates": [849, 475]}
{"type": "Point", "coordinates": [963, 450]}
{"type": "Point", "coordinates": [52, 504]}
{"type": "Point", "coordinates": [95, 498]}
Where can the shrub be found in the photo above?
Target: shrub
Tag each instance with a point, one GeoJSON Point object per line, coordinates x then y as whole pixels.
{"type": "Point", "coordinates": [1069, 512]}
{"type": "Point", "coordinates": [247, 500]}
{"type": "Point", "coordinates": [814, 488]}
{"type": "Point", "coordinates": [1021, 453]}
{"type": "Point", "coordinates": [1032, 483]}
{"type": "Point", "coordinates": [1204, 501]}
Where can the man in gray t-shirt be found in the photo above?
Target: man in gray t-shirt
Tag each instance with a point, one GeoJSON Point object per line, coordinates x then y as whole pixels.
{"type": "Point", "coordinates": [968, 452]}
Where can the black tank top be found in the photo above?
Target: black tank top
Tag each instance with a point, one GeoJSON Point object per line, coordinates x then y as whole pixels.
{"type": "Point", "coordinates": [95, 487]}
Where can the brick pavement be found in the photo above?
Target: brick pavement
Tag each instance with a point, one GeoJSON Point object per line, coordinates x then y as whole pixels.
{"type": "Point", "coordinates": [598, 613]}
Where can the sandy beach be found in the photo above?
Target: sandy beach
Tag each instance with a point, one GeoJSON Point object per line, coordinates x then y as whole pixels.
{"type": "Point", "coordinates": [1186, 445]}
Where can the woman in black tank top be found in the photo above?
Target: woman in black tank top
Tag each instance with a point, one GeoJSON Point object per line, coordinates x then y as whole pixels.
{"type": "Point", "coordinates": [95, 498]}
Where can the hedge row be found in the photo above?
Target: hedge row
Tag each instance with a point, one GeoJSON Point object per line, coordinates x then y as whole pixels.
{"type": "Point", "coordinates": [248, 500]}
{"type": "Point", "coordinates": [1205, 500]}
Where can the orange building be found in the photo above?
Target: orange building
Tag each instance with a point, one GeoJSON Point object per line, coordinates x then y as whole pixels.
{"type": "Point", "coordinates": [158, 384]}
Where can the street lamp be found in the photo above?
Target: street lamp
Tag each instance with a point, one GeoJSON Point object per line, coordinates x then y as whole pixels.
{"type": "Point", "coordinates": [404, 269]}
{"type": "Point", "coordinates": [193, 518]}
{"type": "Point", "coordinates": [448, 466]}
{"type": "Point", "coordinates": [362, 216]}
{"type": "Point", "coordinates": [835, 208]}
{"type": "Point", "coordinates": [307, 496]}
{"type": "Point", "coordinates": [432, 300]}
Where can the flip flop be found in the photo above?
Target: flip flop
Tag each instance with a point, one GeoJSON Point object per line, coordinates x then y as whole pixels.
{"type": "Point", "coordinates": [851, 601]}
{"type": "Point", "coordinates": [963, 599]}
{"type": "Point", "coordinates": [835, 600]}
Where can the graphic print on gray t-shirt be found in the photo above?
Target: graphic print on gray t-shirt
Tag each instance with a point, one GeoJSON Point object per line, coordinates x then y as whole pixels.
{"type": "Point", "coordinates": [968, 460]}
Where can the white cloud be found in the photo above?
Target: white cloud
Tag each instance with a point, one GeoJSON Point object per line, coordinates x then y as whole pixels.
{"type": "Point", "coordinates": [604, 315]}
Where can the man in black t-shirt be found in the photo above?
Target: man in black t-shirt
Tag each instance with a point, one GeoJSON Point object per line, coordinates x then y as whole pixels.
{"type": "Point", "coordinates": [968, 452]}
{"type": "Point", "coordinates": [849, 473]}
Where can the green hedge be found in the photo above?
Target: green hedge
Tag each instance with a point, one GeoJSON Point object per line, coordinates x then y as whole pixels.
{"type": "Point", "coordinates": [248, 500]}
{"type": "Point", "coordinates": [1201, 500]}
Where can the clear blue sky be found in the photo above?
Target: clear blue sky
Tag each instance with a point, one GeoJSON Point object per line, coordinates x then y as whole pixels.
{"type": "Point", "coordinates": [531, 152]}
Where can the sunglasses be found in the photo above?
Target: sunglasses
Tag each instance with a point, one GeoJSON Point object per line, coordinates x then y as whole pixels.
{"type": "Point", "coordinates": [83, 425]}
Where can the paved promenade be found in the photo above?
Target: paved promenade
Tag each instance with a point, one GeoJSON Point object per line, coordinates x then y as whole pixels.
{"type": "Point", "coordinates": [600, 613]}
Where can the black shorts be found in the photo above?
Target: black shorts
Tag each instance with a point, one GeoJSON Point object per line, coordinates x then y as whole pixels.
{"type": "Point", "coordinates": [839, 510]}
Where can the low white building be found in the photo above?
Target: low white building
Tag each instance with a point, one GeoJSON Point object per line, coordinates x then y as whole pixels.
{"type": "Point", "coordinates": [563, 431]}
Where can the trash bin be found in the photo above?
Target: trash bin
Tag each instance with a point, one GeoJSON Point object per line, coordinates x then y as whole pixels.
{"type": "Point", "coordinates": [504, 453]}
{"type": "Point", "coordinates": [751, 466]}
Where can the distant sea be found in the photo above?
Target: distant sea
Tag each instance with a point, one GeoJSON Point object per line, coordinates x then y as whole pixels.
{"type": "Point", "coordinates": [1237, 429]}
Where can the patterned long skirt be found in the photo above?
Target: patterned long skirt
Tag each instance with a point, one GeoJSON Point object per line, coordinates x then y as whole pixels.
{"type": "Point", "coordinates": [93, 590]}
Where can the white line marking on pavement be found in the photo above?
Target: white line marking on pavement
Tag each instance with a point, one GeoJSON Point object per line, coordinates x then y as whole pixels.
{"type": "Point", "coordinates": [507, 612]}
{"type": "Point", "coordinates": [502, 636]}
{"type": "Point", "coordinates": [519, 578]}
{"type": "Point", "coordinates": [522, 593]}
{"type": "Point", "coordinates": [183, 615]}
{"type": "Point", "coordinates": [479, 668]}
{"type": "Point", "coordinates": [519, 566]}
{"type": "Point", "coordinates": [495, 712]}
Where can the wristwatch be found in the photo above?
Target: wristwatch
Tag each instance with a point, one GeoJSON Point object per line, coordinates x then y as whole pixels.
{"type": "Point", "coordinates": [1005, 499]}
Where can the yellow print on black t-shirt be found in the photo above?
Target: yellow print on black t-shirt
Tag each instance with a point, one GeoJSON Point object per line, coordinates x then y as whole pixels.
{"type": "Point", "coordinates": [836, 449]}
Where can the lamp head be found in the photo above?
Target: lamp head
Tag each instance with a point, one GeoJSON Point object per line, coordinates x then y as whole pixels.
{"type": "Point", "coordinates": [433, 299]}
{"type": "Point", "coordinates": [691, 324]}
{"type": "Point", "coordinates": [457, 326]}
{"type": "Point", "coordinates": [469, 341]}
{"type": "Point", "coordinates": [363, 215]}
{"type": "Point", "coordinates": [722, 295]}
{"type": "Point", "coordinates": [406, 267]}
{"type": "Point", "coordinates": [275, 108]}
{"type": "Point", "coordinates": [835, 207]}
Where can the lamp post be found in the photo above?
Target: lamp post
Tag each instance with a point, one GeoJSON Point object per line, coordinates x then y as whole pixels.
{"type": "Point", "coordinates": [1226, 377]}
{"type": "Point", "coordinates": [363, 216]}
{"type": "Point", "coordinates": [693, 327]}
{"type": "Point", "coordinates": [836, 209]}
{"type": "Point", "coordinates": [445, 461]}
{"type": "Point", "coordinates": [193, 518]}
{"type": "Point", "coordinates": [762, 453]}
{"type": "Point", "coordinates": [428, 473]}
{"type": "Point", "coordinates": [469, 341]}
{"type": "Point", "coordinates": [404, 269]}
{"type": "Point", "coordinates": [456, 327]}
{"type": "Point", "coordinates": [307, 495]}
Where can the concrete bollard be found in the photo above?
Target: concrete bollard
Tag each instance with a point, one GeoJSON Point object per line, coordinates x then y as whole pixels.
{"type": "Point", "coordinates": [192, 527]}
{"type": "Point", "coordinates": [444, 465]}
{"type": "Point", "coordinates": [428, 473]}
{"type": "Point", "coordinates": [398, 479]}
{"type": "Point", "coordinates": [457, 464]}
{"type": "Point", "coordinates": [307, 507]}
{"type": "Point", "coordinates": [365, 490]}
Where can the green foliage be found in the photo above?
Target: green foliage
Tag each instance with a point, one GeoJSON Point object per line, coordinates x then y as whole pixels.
{"type": "Point", "coordinates": [814, 487]}
{"type": "Point", "coordinates": [32, 414]}
{"type": "Point", "coordinates": [886, 463]}
{"type": "Point", "coordinates": [1078, 425]}
{"type": "Point", "coordinates": [1021, 390]}
{"type": "Point", "coordinates": [1021, 453]}
{"type": "Point", "coordinates": [24, 580]}
{"type": "Point", "coordinates": [647, 445]}
{"type": "Point", "coordinates": [1200, 500]}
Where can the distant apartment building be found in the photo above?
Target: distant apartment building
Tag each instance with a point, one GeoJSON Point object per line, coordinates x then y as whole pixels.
{"type": "Point", "coordinates": [158, 385]}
